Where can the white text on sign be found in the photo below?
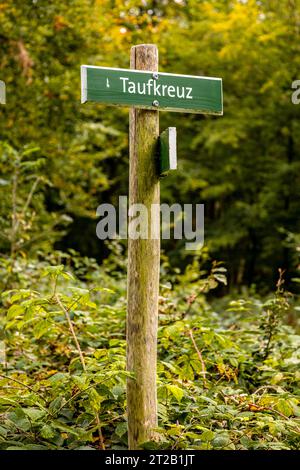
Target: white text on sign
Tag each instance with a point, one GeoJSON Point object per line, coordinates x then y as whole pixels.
{"type": "Point", "coordinates": [156, 89]}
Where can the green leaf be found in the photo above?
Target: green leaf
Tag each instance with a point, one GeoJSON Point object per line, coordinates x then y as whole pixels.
{"type": "Point", "coordinates": [14, 311]}
{"type": "Point", "coordinates": [150, 445]}
{"type": "Point", "coordinates": [19, 419]}
{"type": "Point", "coordinates": [27, 447]}
{"type": "Point", "coordinates": [95, 400]}
{"type": "Point", "coordinates": [16, 448]}
{"type": "Point", "coordinates": [34, 413]}
{"type": "Point", "coordinates": [80, 381]}
{"type": "Point", "coordinates": [284, 407]}
{"type": "Point", "coordinates": [118, 390]}
{"type": "Point", "coordinates": [56, 404]}
{"type": "Point", "coordinates": [121, 429]}
{"type": "Point", "coordinates": [207, 436]}
{"type": "Point", "coordinates": [47, 432]}
{"type": "Point", "coordinates": [41, 328]}
{"type": "Point", "coordinates": [234, 362]}
{"type": "Point", "coordinates": [85, 448]}
{"type": "Point", "coordinates": [3, 431]}
{"type": "Point", "coordinates": [209, 400]}
{"type": "Point", "coordinates": [65, 428]}
{"type": "Point", "coordinates": [220, 442]}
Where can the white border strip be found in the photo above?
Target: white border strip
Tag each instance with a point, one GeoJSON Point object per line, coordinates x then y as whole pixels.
{"type": "Point", "coordinates": [172, 148]}
{"type": "Point", "coordinates": [83, 75]}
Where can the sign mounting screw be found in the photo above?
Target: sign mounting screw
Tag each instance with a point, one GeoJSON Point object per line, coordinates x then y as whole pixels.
{"type": "Point", "coordinates": [155, 76]}
{"type": "Point", "coordinates": [155, 103]}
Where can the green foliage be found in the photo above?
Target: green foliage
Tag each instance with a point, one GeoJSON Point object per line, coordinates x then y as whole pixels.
{"type": "Point", "coordinates": [63, 373]}
{"type": "Point", "coordinates": [26, 225]}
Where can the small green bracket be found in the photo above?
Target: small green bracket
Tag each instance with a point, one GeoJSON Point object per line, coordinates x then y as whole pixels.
{"type": "Point", "coordinates": [167, 151]}
{"type": "Point", "coordinates": [2, 92]}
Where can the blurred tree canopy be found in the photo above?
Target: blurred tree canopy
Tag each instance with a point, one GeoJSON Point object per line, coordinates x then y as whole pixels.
{"type": "Point", "coordinates": [244, 166]}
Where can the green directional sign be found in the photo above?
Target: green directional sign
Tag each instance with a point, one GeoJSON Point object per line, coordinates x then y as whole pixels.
{"type": "Point", "coordinates": [152, 90]}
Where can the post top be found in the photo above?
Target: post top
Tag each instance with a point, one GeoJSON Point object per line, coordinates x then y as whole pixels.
{"type": "Point", "coordinates": [144, 57]}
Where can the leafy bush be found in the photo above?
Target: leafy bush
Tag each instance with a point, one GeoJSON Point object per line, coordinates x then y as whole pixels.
{"type": "Point", "coordinates": [226, 379]}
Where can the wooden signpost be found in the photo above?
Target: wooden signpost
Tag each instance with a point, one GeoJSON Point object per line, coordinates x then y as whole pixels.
{"type": "Point", "coordinates": [146, 91]}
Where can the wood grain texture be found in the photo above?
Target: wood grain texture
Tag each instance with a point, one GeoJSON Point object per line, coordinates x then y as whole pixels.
{"type": "Point", "coordinates": [143, 266]}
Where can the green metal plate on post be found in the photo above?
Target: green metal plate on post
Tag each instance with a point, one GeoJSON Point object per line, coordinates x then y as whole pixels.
{"type": "Point", "coordinates": [151, 90]}
{"type": "Point", "coordinates": [167, 151]}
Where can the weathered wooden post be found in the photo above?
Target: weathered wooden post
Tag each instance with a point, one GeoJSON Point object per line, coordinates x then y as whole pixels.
{"type": "Point", "coordinates": [143, 264]}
